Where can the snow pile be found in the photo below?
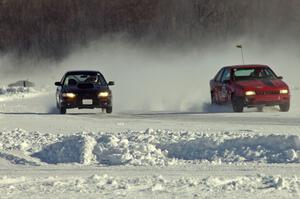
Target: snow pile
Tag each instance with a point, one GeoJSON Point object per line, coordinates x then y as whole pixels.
{"type": "Point", "coordinates": [29, 142]}
{"type": "Point", "coordinates": [83, 148]}
{"type": "Point", "coordinates": [133, 150]}
{"type": "Point", "coordinates": [77, 148]}
{"type": "Point", "coordinates": [18, 159]}
{"type": "Point", "coordinates": [102, 149]}
{"type": "Point", "coordinates": [10, 93]}
{"type": "Point", "coordinates": [152, 148]}
{"type": "Point", "coordinates": [147, 186]}
{"type": "Point", "coordinates": [270, 149]}
{"type": "Point", "coordinates": [130, 148]}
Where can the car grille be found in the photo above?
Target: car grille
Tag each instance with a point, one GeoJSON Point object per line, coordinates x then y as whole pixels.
{"type": "Point", "coordinates": [86, 95]}
{"type": "Point", "coordinates": [267, 92]}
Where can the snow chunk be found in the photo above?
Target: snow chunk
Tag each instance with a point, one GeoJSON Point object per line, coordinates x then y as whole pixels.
{"type": "Point", "coordinates": [77, 149]}
{"type": "Point", "coordinates": [114, 151]}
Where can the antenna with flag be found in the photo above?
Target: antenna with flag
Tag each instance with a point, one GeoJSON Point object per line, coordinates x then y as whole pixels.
{"type": "Point", "coordinates": [241, 47]}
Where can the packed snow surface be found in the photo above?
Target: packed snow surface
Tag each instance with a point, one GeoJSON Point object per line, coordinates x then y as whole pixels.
{"type": "Point", "coordinates": [152, 186]}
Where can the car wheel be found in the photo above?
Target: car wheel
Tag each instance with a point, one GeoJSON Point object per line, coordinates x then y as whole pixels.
{"type": "Point", "coordinates": [237, 104]}
{"type": "Point", "coordinates": [108, 109]}
{"type": "Point", "coordinates": [62, 110]}
{"type": "Point", "coordinates": [284, 107]}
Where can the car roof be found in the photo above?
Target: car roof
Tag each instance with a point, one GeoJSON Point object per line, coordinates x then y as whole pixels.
{"type": "Point", "coordinates": [88, 71]}
{"type": "Point", "coordinates": [82, 71]}
{"type": "Point", "coordinates": [247, 66]}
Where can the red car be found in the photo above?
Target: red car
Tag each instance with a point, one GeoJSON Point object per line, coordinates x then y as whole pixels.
{"type": "Point", "coordinates": [249, 86]}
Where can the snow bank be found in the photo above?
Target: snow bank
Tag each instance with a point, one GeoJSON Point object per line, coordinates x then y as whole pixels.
{"type": "Point", "coordinates": [29, 142]}
{"type": "Point", "coordinates": [15, 159]}
{"type": "Point", "coordinates": [152, 147]}
{"type": "Point", "coordinates": [133, 150]}
{"type": "Point", "coordinates": [70, 149]}
{"type": "Point", "coordinates": [11, 93]}
{"type": "Point", "coordinates": [102, 149]}
{"type": "Point", "coordinates": [270, 149]}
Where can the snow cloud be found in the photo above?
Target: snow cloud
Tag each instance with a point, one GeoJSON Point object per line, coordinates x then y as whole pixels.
{"type": "Point", "coordinates": [160, 79]}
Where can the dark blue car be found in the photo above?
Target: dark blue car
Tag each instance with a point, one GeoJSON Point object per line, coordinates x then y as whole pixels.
{"type": "Point", "coordinates": [83, 90]}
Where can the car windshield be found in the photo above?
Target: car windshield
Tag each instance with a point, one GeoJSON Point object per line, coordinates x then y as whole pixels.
{"type": "Point", "coordinates": [255, 73]}
{"type": "Point", "coordinates": [74, 79]}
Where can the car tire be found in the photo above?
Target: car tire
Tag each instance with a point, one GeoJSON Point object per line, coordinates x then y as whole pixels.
{"type": "Point", "coordinates": [284, 107]}
{"type": "Point", "coordinates": [108, 110]}
{"type": "Point", "coordinates": [62, 110]}
{"type": "Point", "coordinates": [237, 104]}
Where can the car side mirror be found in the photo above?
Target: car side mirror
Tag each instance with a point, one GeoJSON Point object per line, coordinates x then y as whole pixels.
{"type": "Point", "coordinates": [280, 77]}
{"type": "Point", "coordinates": [57, 84]}
{"type": "Point", "coordinates": [111, 83]}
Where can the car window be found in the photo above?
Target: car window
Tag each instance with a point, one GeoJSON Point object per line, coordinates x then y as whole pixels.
{"type": "Point", "coordinates": [226, 75]}
{"type": "Point", "coordinates": [70, 81]}
{"type": "Point", "coordinates": [270, 73]}
{"type": "Point", "coordinates": [254, 73]}
{"type": "Point", "coordinates": [243, 72]}
{"type": "Point", "coordinates": [74, 79]}
{"type": "Point", "coordinates": [219, 75]}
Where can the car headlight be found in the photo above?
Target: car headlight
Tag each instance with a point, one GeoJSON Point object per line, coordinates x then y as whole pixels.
{"type": "Point", "coordinates": [103, 94]}
{"type": "Point", "coordinates": [250, 93]}
{"type": "Point", "coordinates": [284, 91]}
{"type": "Point", "coordinates": [69, 95]}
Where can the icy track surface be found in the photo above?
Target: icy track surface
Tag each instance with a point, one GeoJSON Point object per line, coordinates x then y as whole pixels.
{"type": "Point", "coordinates": [209, 153]}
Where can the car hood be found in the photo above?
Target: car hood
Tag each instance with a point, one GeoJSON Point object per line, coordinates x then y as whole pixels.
{"type": "Point", "coordinates": [262, 84]}
{"type": "Point", "coordinates": [93, 88]}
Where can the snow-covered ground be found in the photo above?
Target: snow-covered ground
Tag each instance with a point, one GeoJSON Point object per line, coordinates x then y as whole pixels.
{"type": "Point", "coordinates": [209, 153]}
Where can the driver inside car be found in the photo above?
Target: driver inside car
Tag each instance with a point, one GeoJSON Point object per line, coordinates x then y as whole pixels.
{"type": "Point", "coordinates": [92, 79]}
{"type": "Point", "coordinates": [258, 73]}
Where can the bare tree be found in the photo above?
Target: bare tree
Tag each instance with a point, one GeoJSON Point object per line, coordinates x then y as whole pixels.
{"type": "Point", "coordinates": [50, 28]}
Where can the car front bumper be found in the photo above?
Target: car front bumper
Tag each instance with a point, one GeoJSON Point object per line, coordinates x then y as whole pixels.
{"type": "Point", "coordinates": [81, 103]}
{"type": "Point", "coordinates": [267, 100]}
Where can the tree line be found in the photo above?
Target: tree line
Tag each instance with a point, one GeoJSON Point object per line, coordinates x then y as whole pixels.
{"type": "Point", "coordinates": [51, 28]}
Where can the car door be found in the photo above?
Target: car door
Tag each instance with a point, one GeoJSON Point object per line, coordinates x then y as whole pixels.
{"type": "Point", "coordinates": [223, 89]}
{"type": "Point", "coordinates": [216, 85]}
{"type": "Point", "coordinates": [59, 90]}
